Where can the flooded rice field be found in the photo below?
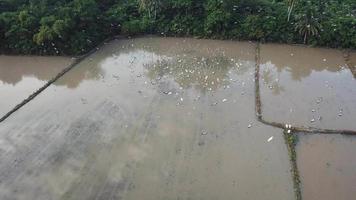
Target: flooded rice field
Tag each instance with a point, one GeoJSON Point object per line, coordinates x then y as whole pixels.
{"type": "Point", "coordinates": [147, 119]}
{"type": "Point", "coordinates": [174, 118]}
{"type": "Point", "coordinates": [307, 87]}
{"type": "Point", "coordinates": [327, 166]}
{"type": "Point", "coordinates": [20, 76]}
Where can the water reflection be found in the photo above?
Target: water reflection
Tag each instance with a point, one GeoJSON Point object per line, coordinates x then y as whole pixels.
{"type": "Point", "coordinates": [351, 62]}
{"type": "Point", "coordinates": [271, 78]}
{"type": "Point", "coordinates": [88, 69]}
{"type": "Point", "coordinates": [117, 136]}
{"type": "Point", "coordinates": [20, 76]}
{"type": "Point", "coordinates": [14, 68]}
{"type": "Point", "coordinates": [299, 61]}
{"type": "Point", "coordinates": [199, 64]}
{"type": "Point", "coordinates": [196, 72]}
{"type": "Point", "coordinates": [307, 86]}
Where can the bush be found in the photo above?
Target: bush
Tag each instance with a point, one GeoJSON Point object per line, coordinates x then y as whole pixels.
{"type": "Point", "coordinates": [76, 26]}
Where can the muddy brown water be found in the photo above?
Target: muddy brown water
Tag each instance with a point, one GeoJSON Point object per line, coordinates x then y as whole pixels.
{"type": "Point", "coordinates": [351, 61]}
{"type": "Point", "coordinates": [307, 87]}
{"type": "Point", "coordinates": [149, 118]}
{"type": "Point", "coordinates": [327, 166]}
{"type": "Point", "coordinates": [20, 76]}
{"type": "Point", "coordinates": [174, 118]}
{"type": "Point", "coordinates": [317, 88]}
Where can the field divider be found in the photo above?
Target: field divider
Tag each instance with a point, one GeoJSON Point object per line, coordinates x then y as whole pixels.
{"type": "Point", "coordinates": [295, 129]}
{"type": "Point", "coordinates": [290, 133]}
{"type": "Point", "coordinates": [59, 75]}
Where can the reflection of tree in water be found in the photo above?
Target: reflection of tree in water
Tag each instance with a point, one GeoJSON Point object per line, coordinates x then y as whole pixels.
{"type": "Point", "coordinates": [300, 62]}
{"type": "Point", "coordinates": [351, 62]}
{"type": "Point", "coordinates": [86, 70]}
{"type": "Point", "coordinates": [199, 72]}
{"type": "Point", "coordinates": [298, 71]}
{"type": "Point", "coordinates": [271, 79]}
{"type": "Point", "coordinates": [11, 76]}
{"type": "Point", "coordinates": [297, 62]}
{"type": "Point", "coordinates": [14, 68]}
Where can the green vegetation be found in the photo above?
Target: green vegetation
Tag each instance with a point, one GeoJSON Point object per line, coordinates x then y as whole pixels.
{"type": "Point", "coordinates": [75, 26]}
{"type": "Point", "coordinates": [291, 141]}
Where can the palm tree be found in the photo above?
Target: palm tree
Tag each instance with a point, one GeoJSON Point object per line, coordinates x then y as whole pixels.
{"type": "Point", "coordinates": [307, 25]}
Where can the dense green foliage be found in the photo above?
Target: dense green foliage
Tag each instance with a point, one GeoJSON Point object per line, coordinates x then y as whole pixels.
{"type": "Point", "coordinates": [75, 26]}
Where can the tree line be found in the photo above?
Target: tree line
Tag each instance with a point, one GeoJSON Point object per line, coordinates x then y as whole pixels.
{"type": "Point", "coordinates": [73, 27]}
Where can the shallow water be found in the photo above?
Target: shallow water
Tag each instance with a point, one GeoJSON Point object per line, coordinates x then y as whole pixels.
{"type": "Point", "coordinates": [327, 166]}
{"type": "Point", "coordinates": [20, 76]}
{"type": "Point", "coordinates": [149, 118]}
{"type": "Point", "coordinates": [174, 118]}
{"type": "Point", "coordinates": [352, 63]}
{"type": "Point", "coordinates": [307, 87]}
